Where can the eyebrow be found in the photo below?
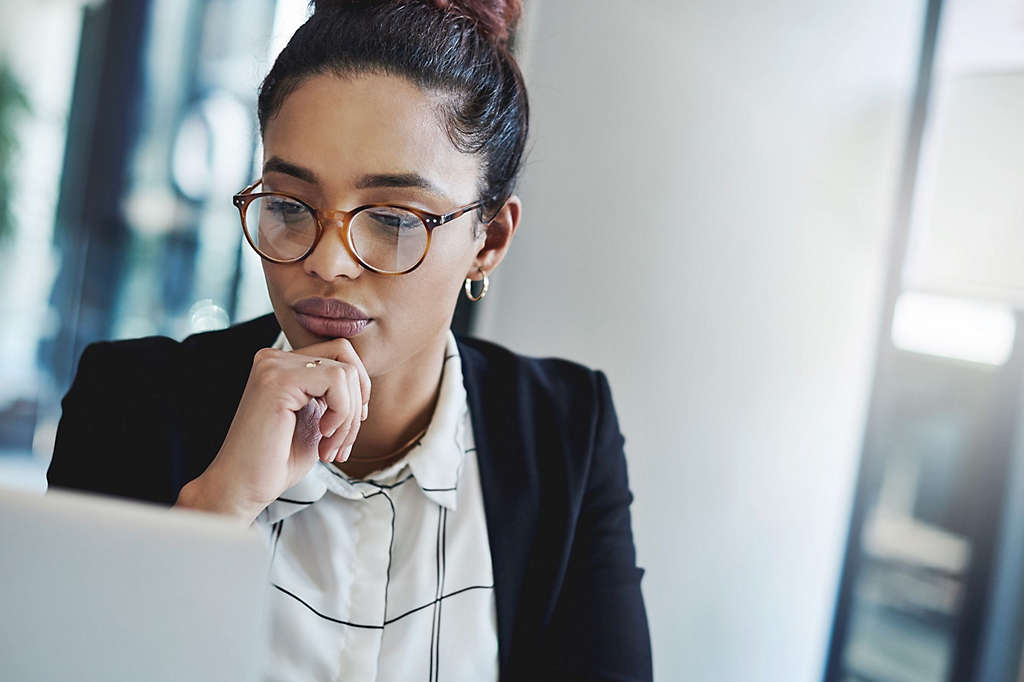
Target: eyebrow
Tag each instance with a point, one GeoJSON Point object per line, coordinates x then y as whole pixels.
{"type": "Point", "coordinates": [276, 164]}
{"type": "Point", "coordinates": [415, 180]}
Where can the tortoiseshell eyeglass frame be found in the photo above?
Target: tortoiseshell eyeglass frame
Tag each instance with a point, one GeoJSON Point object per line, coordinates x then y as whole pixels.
{"type": "Point", "coordinates": [429, 220]}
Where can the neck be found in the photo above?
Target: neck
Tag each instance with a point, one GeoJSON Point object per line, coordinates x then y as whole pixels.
{"type": "Point", "coordinates": [401, 404]}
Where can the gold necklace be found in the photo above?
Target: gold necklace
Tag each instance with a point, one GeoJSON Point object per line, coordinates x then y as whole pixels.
{"type": "Point", "coordinates": [400, 450]}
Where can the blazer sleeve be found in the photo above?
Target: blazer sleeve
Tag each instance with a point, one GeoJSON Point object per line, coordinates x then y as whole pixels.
{"type": "Point", "coordinates": [600, 623]}
{"type": "Point", "coordinates": [77, 462]}
{"type": "Point", "coordinates": [113, 422]}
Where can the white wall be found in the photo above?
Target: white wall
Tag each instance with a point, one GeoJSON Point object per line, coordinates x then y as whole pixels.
{"type": "Point", "coordinates": [745, 155]}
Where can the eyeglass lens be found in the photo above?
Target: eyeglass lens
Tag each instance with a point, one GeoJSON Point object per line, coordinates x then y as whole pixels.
{"type": "Point", "coordinates": [384, 237]}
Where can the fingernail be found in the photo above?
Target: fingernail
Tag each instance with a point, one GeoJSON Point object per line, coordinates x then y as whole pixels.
{"type": "Point", "coordinates": [346, 453]}
{"type": "Point", "coordinates": [366, 410]}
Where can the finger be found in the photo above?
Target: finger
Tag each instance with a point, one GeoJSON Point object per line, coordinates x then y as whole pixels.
{"type": "Point", "coordinates": [331, 448]}
{"type": "Point", "coordinates": [307, 430]}
{"type": "Point", "coordinates": [356, 421]}
{"type": "Point", "coordinates": [335, 421]}
{"type": "Point", "coordinates": [346, 353]}
{"type": "Point", "coordinates": [345, 433]}
{"type": "Point", "coordinates": [341, 350]}
{"type": "Point", "coordinates": [310, 393]}
{"type": "Point", "coordinates": [339, 405]}
{"type": "Point", "coordinates": [321, 378]}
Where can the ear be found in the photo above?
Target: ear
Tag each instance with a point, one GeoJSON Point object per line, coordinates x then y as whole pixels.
{"type": "Point", "coordinates": [494, 242]}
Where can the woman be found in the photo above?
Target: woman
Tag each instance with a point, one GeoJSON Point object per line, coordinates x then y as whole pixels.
{"type": "Point", "coordinates": [436, 507]}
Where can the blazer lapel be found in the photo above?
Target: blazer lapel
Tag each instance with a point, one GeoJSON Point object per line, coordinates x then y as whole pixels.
{"type": "Point", "coordinates": [509, 484]}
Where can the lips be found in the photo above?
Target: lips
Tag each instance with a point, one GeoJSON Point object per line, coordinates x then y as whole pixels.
{"type": "Point", "coordinates": [329, 307]}
{"type": "Point", "coordinates": [330, 317]}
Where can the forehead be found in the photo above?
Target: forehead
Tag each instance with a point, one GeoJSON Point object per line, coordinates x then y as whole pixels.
{"type": "Point", "coordinates": [344, 127]}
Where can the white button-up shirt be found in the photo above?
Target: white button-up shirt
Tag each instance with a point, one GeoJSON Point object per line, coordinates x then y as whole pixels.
{"type": "Point", "coordinates": [388, 577]}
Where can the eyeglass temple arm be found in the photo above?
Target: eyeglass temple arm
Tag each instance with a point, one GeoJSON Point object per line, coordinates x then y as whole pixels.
{"type": "Point", "coordinates": [461, 211]}
{"type": "Point", "coordinates": [251, 187]}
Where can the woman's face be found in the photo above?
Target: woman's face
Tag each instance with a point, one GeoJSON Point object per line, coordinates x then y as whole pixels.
{"type": "Point", "coordinates": [338, 143]}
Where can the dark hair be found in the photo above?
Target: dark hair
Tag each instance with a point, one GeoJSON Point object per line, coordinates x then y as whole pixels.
{"type": "Point", "coordinates": [460, 48]}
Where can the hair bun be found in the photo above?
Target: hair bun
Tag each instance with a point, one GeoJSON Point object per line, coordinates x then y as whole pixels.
{"type": "Point", "coordinates": [496, 19]}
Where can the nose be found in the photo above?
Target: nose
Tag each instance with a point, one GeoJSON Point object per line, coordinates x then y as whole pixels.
{"type": "Point", "coordinates": [331, 258]}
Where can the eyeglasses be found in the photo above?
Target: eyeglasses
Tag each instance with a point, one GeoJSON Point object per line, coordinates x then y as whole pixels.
{"type": "Point", "coordinates": [385, 238]}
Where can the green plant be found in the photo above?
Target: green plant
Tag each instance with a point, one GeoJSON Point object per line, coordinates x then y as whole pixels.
{"type": "Point", "coordinates": [13, 101]}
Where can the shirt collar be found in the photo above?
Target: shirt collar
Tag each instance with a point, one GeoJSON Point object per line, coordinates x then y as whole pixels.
{"type": "Point", "coordinates": [435, 463]}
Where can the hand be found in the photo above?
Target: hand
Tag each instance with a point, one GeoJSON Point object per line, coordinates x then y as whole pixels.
{"type": "Point", "coordinates": [288, 416]}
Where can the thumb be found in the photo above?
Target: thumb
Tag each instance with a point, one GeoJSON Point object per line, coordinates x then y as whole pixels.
{"type": "Point", "coordinates": [307, 425]}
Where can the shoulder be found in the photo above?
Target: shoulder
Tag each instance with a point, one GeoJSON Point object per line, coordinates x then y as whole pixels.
{"type": "Point", "coordinates": [155, 363]}
{"type": "Point", "coordinates": [502, 360]}
{"type": "Point", "coordinates": [553, 380]}
{"type": "Point", "coordinates": [256, 333]}
{"type": "Point", "coordinates": [141, 363]}
{"type": "Point", "coordinates": [165, 352]}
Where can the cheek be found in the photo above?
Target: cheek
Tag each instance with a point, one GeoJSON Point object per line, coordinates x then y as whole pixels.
{"type": "Point", "coordinates": [423, 301]}
{"type": "Point", "coordinates": [420, 299]}
{"type": "Point", "coordinates": [275, 275]}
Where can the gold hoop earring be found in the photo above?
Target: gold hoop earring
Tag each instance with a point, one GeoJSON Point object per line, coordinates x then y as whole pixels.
{"type": "Point", "coordinates": [469, 287]}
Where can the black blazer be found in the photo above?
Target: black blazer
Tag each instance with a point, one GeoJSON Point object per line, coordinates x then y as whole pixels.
{"type": "Point", "coordinates": [145, 416]}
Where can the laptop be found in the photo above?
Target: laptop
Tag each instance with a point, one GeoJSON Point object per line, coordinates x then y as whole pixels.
{"type": "Point", "coordinates": [100, 588]}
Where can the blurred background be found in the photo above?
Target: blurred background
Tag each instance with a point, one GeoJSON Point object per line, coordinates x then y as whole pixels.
{"type": "Point", "coordinates": [790, 232]}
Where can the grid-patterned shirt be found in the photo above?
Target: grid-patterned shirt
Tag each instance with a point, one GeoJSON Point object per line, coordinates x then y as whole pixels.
{"type": "Point", "coordinates": [388, 577]}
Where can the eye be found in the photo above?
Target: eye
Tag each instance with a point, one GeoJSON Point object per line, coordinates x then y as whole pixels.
{"type": "Point", "coordinates": [393, 218]}
{"type": "Point", "coordinates": [286, 209]}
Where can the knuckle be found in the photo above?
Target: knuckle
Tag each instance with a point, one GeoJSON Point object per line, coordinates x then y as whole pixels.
{"type": "Point", "coordinates": [268, 375]}
{"type": "Point", "coordinates": [262, 355]}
